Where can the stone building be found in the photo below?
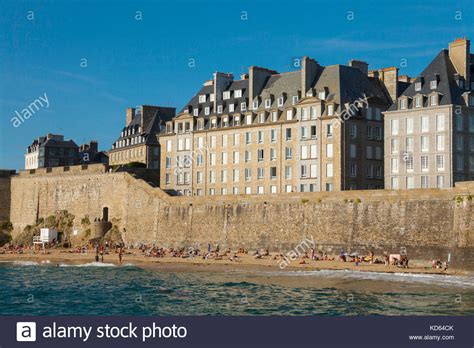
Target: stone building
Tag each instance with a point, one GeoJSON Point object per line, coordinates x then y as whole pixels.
{"type": "Point", "coordinates": [138, 140]}
{"type": "Point", "coordinates": [429, 129]}
{"type": "Point", "coordinates": [89, 153]}
{"type": "Point", "coordinates": [315, 129]}
{"type": "Point", "coordinates": [51, 151]}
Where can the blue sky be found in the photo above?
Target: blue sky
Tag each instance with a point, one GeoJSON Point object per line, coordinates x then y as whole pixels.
{"type": "Point", "coordinates": [132, 62]}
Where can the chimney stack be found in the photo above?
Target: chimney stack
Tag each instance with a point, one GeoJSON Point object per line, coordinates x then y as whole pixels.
{"type": "Point", "coordinates": [257, 78]}
{"type": "Point", "coordinates": [129, 116]}
{"type": "Point", "coordinates": [361, 65]}
{"type": "Point", "coordinates": [389, 79]}
{"type": "Point", "coordinates": [221, 82]}
{"type": "Point", "coordinates": [459, 53]}
{"type": "Point", "coordinates": [309, 69]}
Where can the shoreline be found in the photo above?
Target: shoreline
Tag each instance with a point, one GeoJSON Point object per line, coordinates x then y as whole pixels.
{"type": "Point", "coordinates": [211, 265]}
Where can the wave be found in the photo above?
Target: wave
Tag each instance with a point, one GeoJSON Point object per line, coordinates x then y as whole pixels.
{"type": "Point", "coordinates": [90, 264]}
{"type": "Point", "coordinates": [435, 279]}
{"type": "Point", "coordinates": [25, 263]}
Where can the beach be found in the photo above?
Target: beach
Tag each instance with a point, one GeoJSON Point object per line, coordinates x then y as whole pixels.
{"type": "Point", "coordinates": [244, 261]}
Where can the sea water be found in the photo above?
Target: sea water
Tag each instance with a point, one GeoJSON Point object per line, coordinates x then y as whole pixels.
{"type": "Point", "coordinates": [31, 288]}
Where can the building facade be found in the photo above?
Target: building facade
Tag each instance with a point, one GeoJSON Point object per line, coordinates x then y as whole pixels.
{"type": "Point", "coordinates": [51, 151]}
{"type": "Point", "coordinates": [429, 129]}
{"type": "Point", "coordinates": [138, 141]}
{"type": "Point", "coordinates": [316, 129]}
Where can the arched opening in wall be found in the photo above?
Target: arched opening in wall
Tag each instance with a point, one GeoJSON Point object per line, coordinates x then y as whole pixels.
{"type": "Point", "coordinates": [105, 214]}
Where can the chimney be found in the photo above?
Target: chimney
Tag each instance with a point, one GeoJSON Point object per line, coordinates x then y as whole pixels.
{"type": "Point", "coordinates": [93, 146]}
{"type": "Point", "coordinates": [221, 82]}
{"type": "Point", "coordinates": [244, 76]}
{"type": "Point", "coordinates": [309, 69]}
{"type": "Point", "coordinates": [404, 78]}
{"type": "Point", "coordinates": [361, 65]}
{"type": "Point", "coordinates": [459, 53]}
{"type": "Point", "coordinates": [257, 78]}
{"type": "Point", "coordinates": [389, 78]}
{"type": "Point", "coordinates": [130, 114]}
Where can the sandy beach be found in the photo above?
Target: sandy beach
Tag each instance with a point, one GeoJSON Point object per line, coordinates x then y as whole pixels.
{"type": "Point", "coordinates": [59, 256]}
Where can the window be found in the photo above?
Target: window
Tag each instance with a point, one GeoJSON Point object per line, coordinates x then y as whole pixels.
{"type": "Point", "coordinates": [212, 176]}
{"type": "Point", "coordinates": [424, 143]}
{"type": "Point", "coordinates": [272, 154]}
{"type": "Point", "coordinates": [403, 103]}
{"type": "Point", "coordinates": [433, 84]}
{"type": "Point", "coordinates": [288, 172]}
{"type": "Point", "coordinates": [268, 103]}
{"type": "Point", "coordinates": [224, 175]}
{"type": "Point", "coordinates": [440, 123]}
{"type": "Point", "coordinates": [243, 106]}
{"type": "Point", "coordinates": [313, 113]}
{"type": "Point", "coordinates": [353, 132]}
{"type": "Point", "coordinates": [196, 112]}
{"type": "Point", "coordinates": [294, 100]}
{"type": "Point", "coordinates": [199, 160]}
{"type": "Point", "coordinates": [353, 170]}
{"type": "Point", "coordinates": [304, 133]}
{"type": "Point", "coordinates": [202, 98]}
{"type": "Point", "coordinates": [353, 150]}
{"type": "Point", "coordinates": [168, 145]}
{"type": "Point", "coordinates": [329, 130]}
{"type": "Point", "coordinates": [304, 114]}
{"type": "Point", "coordinates": [304, 171]}
{"type": "Point", "coordinates": [255, 104]}
{"type": "Point", "coordinates": [273, 135]}
{"type": "Point", "coordinates": [248, 119]}
{"type": "Point", "coordinates": [329, 170]}
{"type": "Point", "coordinates": [260, 137]}
{"type": "Point", "coordinates": [236, 139]}
{"type": "Point", "coordinates": [417, 86]}
{"type": "Point", "coordinates": [433, 100]}
{"type": "Point", "coordinates": [219, 109]}
{"type": "Point", "coordinates": [248, 156]}
{"type": "Point", "coordinates": [288, 153]}
{"type": "Point", "coordinates": [471, 163]}
{"type": "Point", "coordinates": [394, 165]}
{"type": "Point", "coordinates": [261, 118]}
{"type": "Point", "coordinates": [394, 127]}
{"type": "Point", "coordinates": [225, 122]}
{"type": "Point", "coordinates": [424, 124]}
{"type": "Point", "coordinates": [248, 174]}
{"type": "Point", "coordinates": [168, 162]}
{"type": "Point", "coordinates": [289, 115]}
{"type": "Point", "coordinates": [235, 190]}
{"type": "Point", "coordinates": [168, 178]}
{"type": "Point", "coordinates": [313, 132]}
{"type": "Point", "coordinates": [274, 116]}
{"type": "Point", "coordinates": [424, 181]}
{"type": "Point", "coordinates": [214, 123]}
{"type": "Point", "coordinates": [304, 152]}
{"type": "Point", "coordinates": [329, 187]}
{"type": "Point", "coordinates": [330, 110]}
{"type": "Point", "coordinates": [459, 163]}
{"type": "Point", "coordinates": [439, 181]}
{"type": "Point", "coordinates": [322, 95]}
{"type": "Point", "coordinates": [235, 157]}
{"type": "Point", "coordinates": [329, 150]}
{"type": "Point", "coordinates": [409, 125]}
{"type": "Point", "coordinates": [424, 163]}
{"type": "Point", "coordinates": [409, 163]}
{"type": "Point", "coordinates": [273, 172]}
{"type": "Point", "coordinates": [260, 190]}
{"type": "Point", "coordinates": [223, 191]}
{"type": "Point", "coordinates": [288, 133]}
{"type": "Point", "coordinates": [418, 102]}
{"type": "Point", "coordinates": [238, 93]}
{"type": "Point", "coordinates": [370, 152]}
{"type": "Point", "coordinates": [410, 182]}
{"type": "Point", "coordinates": [313, 151]}
{"type": "Point", "coordinates": [260, 155]}
{"type": "Point", "coordinates": [394, 183]}
{"type": "Point", "coordinates": [369, 113]}
{"type": "Point", "coordinates": [226, 95]}
{"type": "Point", "coordinates": [459, 123]}
{"type": "Point", "coordinates": [207, 110]}
{"type": "Point", "coordinates": [471, 124]}
{"type": "Point", "coordinates": [248, 138]}
{"type": "Point", "coordinates": [440, 143]}
{"type": "Point", "coordinates": [199, 177]}
{"type": "Point", "coordinates": [409, 144]}
{"type": "Point", "coordinates": [248, 190]}
{"type": "Point", "coordinates": [273, 189]}
{"type": "Point", "coordinates": [212, 191]}
{"type": "Point", "coordinates": [224, 158]}
{"type": "Point", "coordinates": [394, 146]}
{"type": "Point", "coordinates": [212, 159]}
{"type": "Point", "coordinates": [280, 101]}
{"type": "Point", "coordinates": [439, 163]}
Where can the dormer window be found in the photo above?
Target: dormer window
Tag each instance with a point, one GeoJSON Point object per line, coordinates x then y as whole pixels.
{"type": "Point", "coordinates": [212, 97]}
{"type": "Point", "coordinates": [310, 92]}
{"type": "Point", "coordinates": [226, 95]}
{"type": "Point", "coordinates": [280, 101]}
{"type": "Point", "coordinates": [207, 110]}
{"type": "Point", "coordinates": [214, 123]}
{"type": "Point", "coordinates": [330, 110]}
{"type": "Point", "coordinates": [219, 109]}
{"type": "Point", "coordinates": [433, 84]}
{"type": "Point", "coordinates": [322, 95]}
{"type": "Point", "coordinates": [434, 100]}
{"type": "Point", "coordinates": [237, 121]}
{"type": "Point", "coordinates": [231, 107]}
{"type": "Point", "coordinates": [403, 104]}
{"type": "Point", "coordinates": [202, 98]}
{"type": "Point", "coordinates": [169, 128]}
{"type": "Point", "coordinates": [418, 102]}
{"type": "Point", "coordinates": [225, 122]}
{"type": "Point", "coordinates": [243, 106]}
{"type": "Point", "coordinates": [268, 103]}
{"type": "Point", "coordinates": [417, 86]}
{"type": "Point", "coordinates": [238, 93]}
{"type": "Point", "coordinates": [201, 124]}
{"type": "Point", "coordinates": [471, 100]}
{"type": "Point", "coordinates": [274, 116]}
{"type": "Point", "coordinates": [248, 119]}
{"type": "Point", "coordinates": [294, 100]}
{"type": "Point", "coordinates": [196, 112]}
{"type": "Point", "coordinates": [255, 104]}
{"type": "Point", "coordinates": [261, 118]}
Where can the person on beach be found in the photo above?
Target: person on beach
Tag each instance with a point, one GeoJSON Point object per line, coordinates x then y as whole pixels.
{"type": "Point", "coordinates": [120, 252]}
{"type": "Point", "coordinates": [312, 254]}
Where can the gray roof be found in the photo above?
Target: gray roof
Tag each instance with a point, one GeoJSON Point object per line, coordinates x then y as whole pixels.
{"type": "Point", "coordinates": [440, 68]}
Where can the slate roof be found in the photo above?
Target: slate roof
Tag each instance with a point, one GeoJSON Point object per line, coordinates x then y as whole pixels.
{"type": "Point", "coordinates": [443, 69]}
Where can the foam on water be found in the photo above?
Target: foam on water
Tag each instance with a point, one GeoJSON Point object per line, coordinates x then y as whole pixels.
{"type": "Point", "coordinates": [435, 279]}
{"type": "Point", "coordinates": [90, 264]}
{"type": "Point", "coordinates": [25, 263]}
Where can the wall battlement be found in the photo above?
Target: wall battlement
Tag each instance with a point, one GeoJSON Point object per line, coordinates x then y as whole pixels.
{"type": "Point", "coordinates": [428, 223]}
